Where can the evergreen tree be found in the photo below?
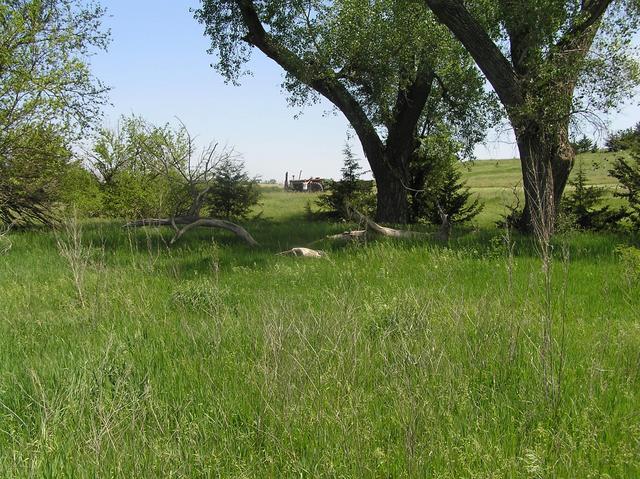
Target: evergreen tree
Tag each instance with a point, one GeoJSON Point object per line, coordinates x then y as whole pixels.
{"type": "Point", "coordinates": [351, 189]}
{"type": "Point", "coordinates": [582, 204]}
{"type": "Point", "coordinates": [627, 172]}
{"type": "Point", "coordinates": [233, 192]}
{"type": "Point", "coordinates": [438, 188]}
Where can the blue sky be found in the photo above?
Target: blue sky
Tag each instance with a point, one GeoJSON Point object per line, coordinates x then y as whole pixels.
{"type": "Point", "coordinates": [158, 68]}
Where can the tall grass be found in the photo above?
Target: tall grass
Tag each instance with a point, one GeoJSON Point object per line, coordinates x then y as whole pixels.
{"type": "Point", "coordinates": [394, 359]}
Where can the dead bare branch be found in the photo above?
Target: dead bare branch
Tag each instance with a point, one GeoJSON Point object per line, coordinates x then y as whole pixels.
{"type": "Point", "coordinates": [191, 222]}
{"type": "Point", "coordinates": [383, 230]}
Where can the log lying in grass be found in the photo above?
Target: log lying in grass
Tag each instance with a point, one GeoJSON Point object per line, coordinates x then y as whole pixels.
{"type": "Point", "coordinates": [372, 226]}
{"type": "Point", "coordinates": [382, 230]}
{"type": "Point", "coordinates": [304, 252]}
{"type": "Point", "coordinates": [356, 235]}
{"type": "Point", "coordinates": [191, 222]}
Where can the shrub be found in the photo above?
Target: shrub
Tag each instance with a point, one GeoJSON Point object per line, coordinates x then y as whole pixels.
{"type": "Point", "coordinates": [135, 176]}
{"type": "Point", "coordinates": [80, 191]}
{"type": "Point", "coordinates": [33, 160]}
{"type": "Point", "coordinates": [437, 186]}
{"type": "Point", "coordinates": [350, 190]}
{"type": "Point", "coordinates": [627, 172]}
{"type": "Point", "coordinates": [582, 205]}
{"type": "Point", "coordinates": [134, 195]}
{"type": "Point", "coordinates": [233, 193]}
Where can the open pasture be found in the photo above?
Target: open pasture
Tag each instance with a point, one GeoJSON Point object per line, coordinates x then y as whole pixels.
{"type": "Point", "coordinates": [131, 358]}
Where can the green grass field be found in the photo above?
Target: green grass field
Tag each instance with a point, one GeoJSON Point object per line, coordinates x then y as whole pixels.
{"type": "Point", "coordinates": [387, 359]}
{"type": "Point", "coordinates": [497, 182]}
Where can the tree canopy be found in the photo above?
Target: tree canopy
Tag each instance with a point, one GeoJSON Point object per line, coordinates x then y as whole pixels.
{"type": "Point", "coordinates": [386, 65]}
{"type": "Point", "coordinates": [48, 96]}
{"type": "Point", "coordinates": [549, 61]}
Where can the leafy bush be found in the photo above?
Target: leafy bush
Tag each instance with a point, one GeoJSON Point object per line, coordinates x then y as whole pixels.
{"type": "Point", "coordinates": [80, 191]}
{"type": "Point", "coordinates": [135, 177]}
{"type": "Point", "coordinates": [350, 190]}
{"type": "Point", "coordinates": [233, 193]}
{"type": "Point", "coordinates": [133, 195]}
{"type": "Point", "coordinates": [33, 160]}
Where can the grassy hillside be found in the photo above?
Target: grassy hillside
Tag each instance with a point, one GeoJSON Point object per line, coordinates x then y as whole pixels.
{"type": "Point", "coordinates": [390, 359]}
{"type": "Point", "coordinates": [496, 181]}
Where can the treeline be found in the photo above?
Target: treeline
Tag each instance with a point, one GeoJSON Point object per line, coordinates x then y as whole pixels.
{"type": "Point", "coordinates": [447, 198]}
{"type": "Point", "coordinates": [137, 170]}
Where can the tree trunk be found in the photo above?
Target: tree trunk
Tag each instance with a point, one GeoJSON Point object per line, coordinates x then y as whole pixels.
{"type": "Point", "coordinates": [546, 161]}
{"type": "Point", "coordinates": [390, 170]}
{"type": "Point", "coordinates": [392, 205]}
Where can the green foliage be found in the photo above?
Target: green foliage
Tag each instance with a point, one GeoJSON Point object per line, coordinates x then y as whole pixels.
{"type": "Point", "coordinates": [624, 139]}
{"type": "Point", "coordinates": [134, 195]}
{"type": "Point", "coordinates": [388, 66]}
{"type": "Point", "coordinates": [33, 160]}
{"type": "Point", "coordinates": [233, 193]}
{"type": "Point", "coordinates": [582, 205]}
{"type": "Point", "coordinates": [81, 192]}
{"type": "Point", "coordinates": [349, 190]}
{"type": "Point", "coordinates": [627, 172]}
{"type": "Point", "coordinates": [44, 74]}
{"type": "Point", "coordinates": [584, 145]}
{"type": "Point", "coordinates": [47, 98]}
{"type": "Point", "coordinates": [438, 187]}
{"type": "Point", "coordinates": [135, 170]}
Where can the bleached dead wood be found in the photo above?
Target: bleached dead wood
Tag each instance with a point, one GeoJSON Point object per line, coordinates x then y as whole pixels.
{"type": "Point", "coordinates": [375, 228]}
{"type": "Point", "coordinates": [356, 235]}
{"type": "Point", "coordinates": [191, 222]}
{"type": "Point", "coordinates": [304, 252]}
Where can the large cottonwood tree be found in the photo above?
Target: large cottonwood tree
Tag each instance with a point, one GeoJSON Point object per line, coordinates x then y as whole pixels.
{"type": "Point", "coordinates": [386, 65]}
{"type": "Point", "coordinates": [548, 61]}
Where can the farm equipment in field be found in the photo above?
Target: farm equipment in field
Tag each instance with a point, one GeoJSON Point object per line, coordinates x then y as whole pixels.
{"type": "Point", "coordinates": [309, 185]}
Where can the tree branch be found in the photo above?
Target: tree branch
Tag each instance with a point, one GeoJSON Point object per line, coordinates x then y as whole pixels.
{"type": "Point", "coordinates": [324, 82]}
{"type": "Point", "coordinates": [484, 51]}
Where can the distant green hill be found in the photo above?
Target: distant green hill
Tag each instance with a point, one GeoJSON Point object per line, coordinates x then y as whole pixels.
{"type": "Point", "coordinates": [497, 182]}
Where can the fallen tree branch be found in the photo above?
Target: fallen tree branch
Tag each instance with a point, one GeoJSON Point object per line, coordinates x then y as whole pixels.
{"type": "Point", "coordinates": [373, 227]}
{"type": "Point", "coordinates": [382, 230]}
{"type": "Point", "coordinates": [305, 252]}
{"type": "Point", "coordinates": [191, 222]}
{"type": "Point", "coordinates": [355, 235]}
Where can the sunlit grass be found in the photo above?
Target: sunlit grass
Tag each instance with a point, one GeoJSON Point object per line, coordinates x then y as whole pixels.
{"type": "Point", "coordinates": [391, 359]}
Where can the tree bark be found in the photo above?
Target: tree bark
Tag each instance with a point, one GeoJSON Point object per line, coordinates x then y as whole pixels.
{"type": "Point", "coordinates": [392, 204]}
{"type": "Point", "coordinates": [546, 165]}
